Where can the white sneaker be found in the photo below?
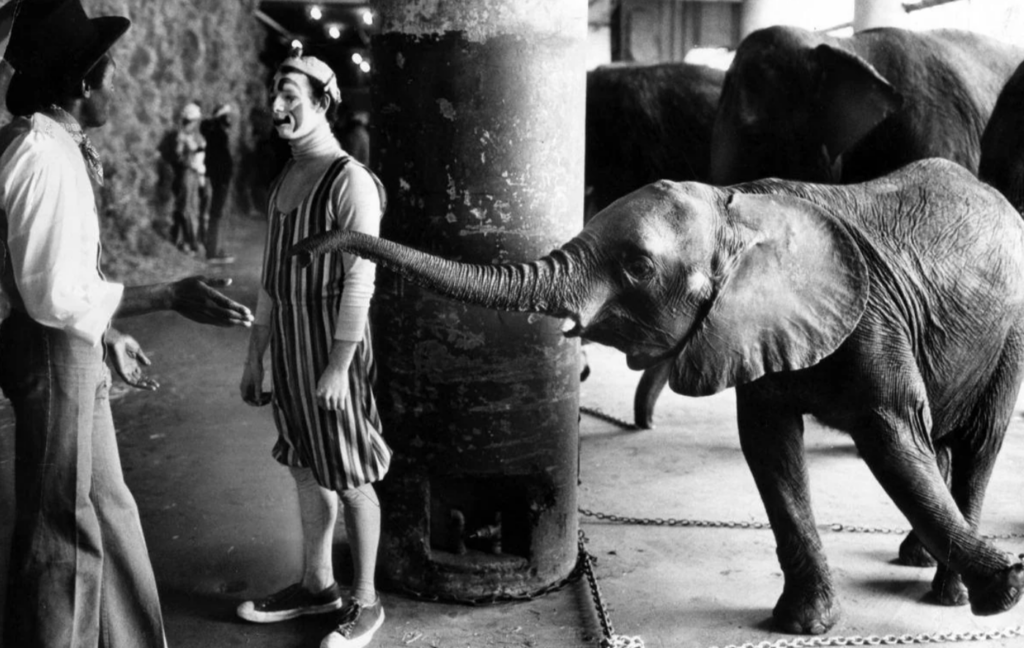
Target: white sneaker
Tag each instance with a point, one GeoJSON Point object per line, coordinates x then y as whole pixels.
{"type": "Point", "coordinates": [356, 625]}
{"type": "Point", "coordinates": [290, 603]}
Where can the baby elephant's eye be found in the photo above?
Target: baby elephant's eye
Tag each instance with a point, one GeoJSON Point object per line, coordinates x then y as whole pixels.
{"type": "Point", "coordinates": [639, 268]}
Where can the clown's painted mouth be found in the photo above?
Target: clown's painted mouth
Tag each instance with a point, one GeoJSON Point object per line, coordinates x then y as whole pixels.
{"type": "Point", "coordinates": [282, 121]}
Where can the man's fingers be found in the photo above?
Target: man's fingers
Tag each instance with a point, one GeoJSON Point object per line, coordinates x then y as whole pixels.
{"type": "Point", "coordinates": [140, 355]}
{"type": "Point", "coordinates": [148, 384]}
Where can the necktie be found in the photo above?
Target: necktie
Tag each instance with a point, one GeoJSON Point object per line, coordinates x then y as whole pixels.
{"type": "Point", "coordinates": [89, 152]}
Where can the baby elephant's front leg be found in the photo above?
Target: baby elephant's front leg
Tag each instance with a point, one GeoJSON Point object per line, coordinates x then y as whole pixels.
{"type": "Point", "coordinates": [772, 442]}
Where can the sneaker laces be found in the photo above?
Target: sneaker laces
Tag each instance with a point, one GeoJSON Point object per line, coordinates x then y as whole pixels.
{"type": "Point", "coordinates": [349, 616]}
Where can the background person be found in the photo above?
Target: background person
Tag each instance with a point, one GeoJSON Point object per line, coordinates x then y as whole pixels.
{"type": "Point", "coordinates": [80, 573]}
{"type": "Point", "coordinates": [219, 169]}
{"type": "Point", "coordinates": [190, 167]}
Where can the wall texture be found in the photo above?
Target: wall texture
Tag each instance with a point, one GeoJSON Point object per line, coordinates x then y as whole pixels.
{"type": "Point", "coordinates": [176, 51]}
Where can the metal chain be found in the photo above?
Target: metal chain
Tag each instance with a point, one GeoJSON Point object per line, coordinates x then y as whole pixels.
{"type": "Point", "coordinates": [610, 639]}
{"type": "Point", "coordinates": [674, 521]}
{"type": "Point", "coordinates": [725, 524]}
{"type": "Point", "coordinates": [849, 528]}
{"type": "Point", "coordinates": [887, 640]}
{"type": "Point", "coordinates": [597, 413]}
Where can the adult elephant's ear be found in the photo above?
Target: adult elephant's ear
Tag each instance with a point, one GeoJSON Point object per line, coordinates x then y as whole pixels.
{"type": "Point", "coordinates": [791, 285]}
{"type": "Point", "coordinates": [851, 98]}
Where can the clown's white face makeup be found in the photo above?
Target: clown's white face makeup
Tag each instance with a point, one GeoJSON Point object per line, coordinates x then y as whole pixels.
{"type": "Point", "coordinates": [295, 112]}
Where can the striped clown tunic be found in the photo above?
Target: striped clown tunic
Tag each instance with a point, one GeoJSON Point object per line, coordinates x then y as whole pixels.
{"type": "Point", "coordinates": [344, 449]}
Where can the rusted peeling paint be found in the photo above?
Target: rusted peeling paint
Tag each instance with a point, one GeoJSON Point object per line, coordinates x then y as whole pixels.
{"type": "Point", "coordinates": [479, 21]}
{"type": "Point", "coordinates": [446, 108]}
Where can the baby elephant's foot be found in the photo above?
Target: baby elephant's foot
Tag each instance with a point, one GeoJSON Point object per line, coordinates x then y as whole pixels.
{"type": "Point", "coordinates": [913, 553]}
{"type": "Point", "coordinates": [948, 588]}
{"type": "Point", "coordinates": [1000, 594]}
{"type": "Point", "coordinates": [806, 610]}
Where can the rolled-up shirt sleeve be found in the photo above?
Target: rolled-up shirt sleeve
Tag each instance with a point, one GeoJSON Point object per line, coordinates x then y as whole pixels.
{"type": "Point", "coordinates": [53, 237]}
{"type": "Point", "coordinates": [358, 210]}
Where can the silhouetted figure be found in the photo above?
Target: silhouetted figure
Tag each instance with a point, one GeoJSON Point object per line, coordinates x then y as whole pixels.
{"type": "Point", "coordinates": [354, 135]}
{"type": "Point", "coordinates": [220, 168]}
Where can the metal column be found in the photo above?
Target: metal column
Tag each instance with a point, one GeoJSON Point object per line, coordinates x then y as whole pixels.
{"type": "Point", "coordinates": [758, 14]}
{"type": "Point", "coordinates": [878, 13]}
{"type": "Point", "coordinates": [478, 134]}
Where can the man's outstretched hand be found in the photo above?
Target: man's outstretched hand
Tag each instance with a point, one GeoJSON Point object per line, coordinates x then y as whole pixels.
{"type": "Point", "coordinates": [127, 358]}
{"type": "Point", "coordinates": [197, 299]}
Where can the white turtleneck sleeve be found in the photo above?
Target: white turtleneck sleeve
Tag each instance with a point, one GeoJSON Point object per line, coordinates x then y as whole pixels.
{"type": "Point", "coordinates": [357, 208]}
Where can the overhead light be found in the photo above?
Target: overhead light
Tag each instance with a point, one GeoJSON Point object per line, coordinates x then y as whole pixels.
{"type": "Point", "coordinates": [316, 13]}
{"type": "Point", "coordinates": [368, 17]}
{"type": "Point", "coordinates": [365, 66]}
{"type": "Point", "coordinates": [334, 32]}
{"type": "Point", "coordinates": [357, 58]}
{"type": "Point", "coordinates": [297, 44]}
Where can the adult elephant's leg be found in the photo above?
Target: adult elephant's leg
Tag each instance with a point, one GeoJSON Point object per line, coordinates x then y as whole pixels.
{"type": "Point", "coordinates": [912, 553]}
{"type": "Point", "coordinates": [894, 440]}
{"type": "Point", "coordinates": [772, 440]}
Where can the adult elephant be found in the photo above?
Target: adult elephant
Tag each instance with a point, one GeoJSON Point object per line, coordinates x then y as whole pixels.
{"type": "Point", "coordinates": [851, 303]}
{"type": "Point", "coordinates": [805, 106]}
{"type": "Point", "coordinates": [647, 123]}
{"type": "Point", "coordinates": [1002, 145]}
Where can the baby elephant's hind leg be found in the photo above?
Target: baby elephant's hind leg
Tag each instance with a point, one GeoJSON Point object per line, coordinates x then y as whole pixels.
{"type": "Point", "coordinates": [893, 440]}
{"type": "Point", "coordinates": [912, 552]}
{"type": "Point", "coordinates": [972, 450]}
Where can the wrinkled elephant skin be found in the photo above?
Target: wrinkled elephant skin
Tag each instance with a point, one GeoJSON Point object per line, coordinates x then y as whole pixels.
{"type": "Point", "coordinates": [805, 106]}
{"type": "Point", "coordinates": [647, 123]}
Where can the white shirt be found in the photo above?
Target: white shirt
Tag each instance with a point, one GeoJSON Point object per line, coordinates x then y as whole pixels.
{"type": "Point", "coordinates": [49, 209]}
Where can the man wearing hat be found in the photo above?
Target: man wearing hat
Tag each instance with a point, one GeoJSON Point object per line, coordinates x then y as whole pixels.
{"type": "Point", "coordinates": [80, 574]}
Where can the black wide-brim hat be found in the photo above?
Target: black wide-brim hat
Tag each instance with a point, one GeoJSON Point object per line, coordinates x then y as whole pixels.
{"type": "Point", "coordinates": [54, 40]}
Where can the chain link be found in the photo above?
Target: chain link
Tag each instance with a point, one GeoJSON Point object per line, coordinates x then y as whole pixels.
{"type": "Point", "coordinates": [601, 414]}
{"type": "Point", "coordinates": [610, 639]}
{"type": "Point", "coordinates": [726, 524]}
{"type": "Point", "coordinates": [887, 640]}
{"type": "Point", "coordinates": [674, 521]}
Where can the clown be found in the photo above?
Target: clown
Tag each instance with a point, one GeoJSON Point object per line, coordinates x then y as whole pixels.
{"type": "Point", "coordinates": [315, 322]}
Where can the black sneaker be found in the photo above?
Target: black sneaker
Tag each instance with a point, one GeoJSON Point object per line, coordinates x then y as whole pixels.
{"type": "Point", "coordinates": [291, 602]}
{"type": "Point", "coordinates": [356, 625]}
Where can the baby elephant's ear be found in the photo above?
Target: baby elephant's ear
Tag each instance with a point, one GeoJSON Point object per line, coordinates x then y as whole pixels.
{"type": "Point", "coordinates": [794, 286]}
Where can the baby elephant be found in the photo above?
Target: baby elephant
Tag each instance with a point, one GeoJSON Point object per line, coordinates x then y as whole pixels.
{"type": "Point", "coordinates": [892, 310]}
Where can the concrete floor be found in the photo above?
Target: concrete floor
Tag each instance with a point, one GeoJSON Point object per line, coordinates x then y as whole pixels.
{"type": "Point", "coordinates": [221, 523]}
